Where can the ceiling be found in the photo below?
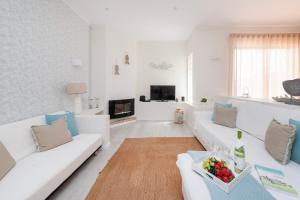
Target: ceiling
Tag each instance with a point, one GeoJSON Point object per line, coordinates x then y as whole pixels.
{"type": "Point", "coordinates": [175, 19]}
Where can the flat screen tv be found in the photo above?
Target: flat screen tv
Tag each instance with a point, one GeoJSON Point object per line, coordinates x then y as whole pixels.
{"type": "Point", "coordinates": [162, 92]}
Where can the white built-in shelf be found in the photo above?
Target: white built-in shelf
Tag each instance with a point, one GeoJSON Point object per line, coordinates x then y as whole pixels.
{"type": "Point", "coordinates": [267, 101]}
{"type": "Point", "coordinates": [95, 111]}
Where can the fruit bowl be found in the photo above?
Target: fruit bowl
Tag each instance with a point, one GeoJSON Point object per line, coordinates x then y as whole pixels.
{"type": "Point", "coordinates": [218, 168]}
{"type": "Point", "coordinates": [220, 171]}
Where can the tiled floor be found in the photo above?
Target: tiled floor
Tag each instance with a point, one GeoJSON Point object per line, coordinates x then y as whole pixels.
{"type": "Point", "coordinates": [79, 184]}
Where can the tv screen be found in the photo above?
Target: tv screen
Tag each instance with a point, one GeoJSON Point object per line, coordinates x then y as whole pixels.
{"type": "Point", "coordinates": [162, 92]}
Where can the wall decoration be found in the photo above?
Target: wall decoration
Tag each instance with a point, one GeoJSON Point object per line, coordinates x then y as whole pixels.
{"type": "Point", "coordinates": [292, 87]}
{"type": "Point", "coordinates": [116, 70]}
{"type": "Point", "coordinates": [127, 59]}
{"type": "Point", "coordinates": [161, 66]}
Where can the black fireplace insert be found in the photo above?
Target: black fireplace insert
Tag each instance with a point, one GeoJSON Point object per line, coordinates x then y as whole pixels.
{"type": "Point", "coordinates": [121, 108]}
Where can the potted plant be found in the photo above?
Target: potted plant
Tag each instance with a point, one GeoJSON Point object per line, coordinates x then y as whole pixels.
{"type": "Point", "coordinates": [203, 100]}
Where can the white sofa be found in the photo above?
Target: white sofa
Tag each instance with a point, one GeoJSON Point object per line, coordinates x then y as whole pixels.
{"type": "Point", "coordinates": [253, 118]}
{"type": "Point", "coordinates": [37, 174]}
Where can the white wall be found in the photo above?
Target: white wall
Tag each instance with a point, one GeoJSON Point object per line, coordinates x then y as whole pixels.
{"type": "Point", "coordinates": [209, 63]}
{"type": "Point", "coordinates": [38, 40]}
{"type": "Point", "coordinates": [118, 45]}
{"type": "Point", "coordinates": [97, 73]}
{"type": "Point", "coordinates": [108, 48]}
{"type": "Point", "coordinates": [210, 47]}
{"type": "Point", "coordinates": [171, 52]}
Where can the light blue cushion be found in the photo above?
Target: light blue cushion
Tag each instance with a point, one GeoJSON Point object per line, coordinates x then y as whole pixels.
{"type": "Point", "coordinates": [224, 105]}
{"type": "Point", "coordinates": [70, 120]}
{"type": "Point", "coordinates": [296, 146]}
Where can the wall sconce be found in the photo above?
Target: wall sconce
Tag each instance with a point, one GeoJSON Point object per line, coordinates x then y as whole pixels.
{"type": "Point", "coordinates": [215, 58]}
{"type": "Point", "coordinates": [76, 62]}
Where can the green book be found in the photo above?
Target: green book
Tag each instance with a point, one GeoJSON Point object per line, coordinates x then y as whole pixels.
{"type": "Point", "coordinates": [274, 179]}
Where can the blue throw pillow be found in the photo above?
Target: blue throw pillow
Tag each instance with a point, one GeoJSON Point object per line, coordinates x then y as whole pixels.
{"type": "Point", "coordinates": [224, 105]}
{"type": "Point", "coordinates": [296, 146]}
{"type": "Point", "coordinates": [70, 120]}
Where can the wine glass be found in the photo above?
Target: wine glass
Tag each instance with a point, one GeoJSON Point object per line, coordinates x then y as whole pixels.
{"type": "Point", "coordinates": [216, 149]}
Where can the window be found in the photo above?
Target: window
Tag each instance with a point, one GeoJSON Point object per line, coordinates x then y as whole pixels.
{"type": "Point", "coordinates": [261, 62]}
{"type": "Point", "coordinates": [190, 78]}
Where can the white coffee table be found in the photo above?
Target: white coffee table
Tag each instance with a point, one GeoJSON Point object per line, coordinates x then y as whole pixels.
{"type": "Point", "coordinates": [194, 188]}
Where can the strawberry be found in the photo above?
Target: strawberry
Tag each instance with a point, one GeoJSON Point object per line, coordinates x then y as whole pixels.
{"type": "Point", "coordinates": [218, 172]}
{"type": "Point", "coordinates": [221, 164]}
{"type": "Point", "coordinates": [224, 171]}
{"type": "Point", "coordinates": [225, 179]}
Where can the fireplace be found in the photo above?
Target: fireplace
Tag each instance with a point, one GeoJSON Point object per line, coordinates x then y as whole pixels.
{"type": "Point", "coordinates": [121, 108]}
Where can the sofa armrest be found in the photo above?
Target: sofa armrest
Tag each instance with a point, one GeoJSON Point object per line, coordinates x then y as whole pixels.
{"type": "Point", "coordinates": [94, 124]}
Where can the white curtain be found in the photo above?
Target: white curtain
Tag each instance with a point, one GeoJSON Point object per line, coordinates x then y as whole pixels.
{"type": "Point", "coordinates": [260, 62]}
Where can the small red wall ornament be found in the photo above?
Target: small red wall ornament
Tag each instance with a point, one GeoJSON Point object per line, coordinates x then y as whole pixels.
{"type": "Point", "coordinates": [127, 59]}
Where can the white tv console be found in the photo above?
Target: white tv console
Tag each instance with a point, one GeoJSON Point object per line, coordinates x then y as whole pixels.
{"type": "Point", "coordinates": [157, 110]}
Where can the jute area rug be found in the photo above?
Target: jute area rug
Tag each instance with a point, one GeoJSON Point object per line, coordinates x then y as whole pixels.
{"type": "Point", "coordinates": [144, 169]}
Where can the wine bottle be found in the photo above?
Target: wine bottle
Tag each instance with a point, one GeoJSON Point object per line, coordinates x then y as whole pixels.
{"type": "Point", "coordinates": [239, 154]}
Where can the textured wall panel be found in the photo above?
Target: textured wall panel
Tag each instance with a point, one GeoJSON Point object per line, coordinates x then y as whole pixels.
{"type": "Point", "coordinates": [38, 39]}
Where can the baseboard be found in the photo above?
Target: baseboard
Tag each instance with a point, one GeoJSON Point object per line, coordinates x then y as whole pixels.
{"type": "Point", "coordinates": [123, 121]}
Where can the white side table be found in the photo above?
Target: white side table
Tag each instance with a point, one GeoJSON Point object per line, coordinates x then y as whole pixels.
{"type": "Point", "coordinates": [179, 115]}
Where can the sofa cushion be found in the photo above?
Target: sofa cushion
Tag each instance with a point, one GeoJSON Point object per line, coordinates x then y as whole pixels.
{"type": "Point", "coordinates": [37, 175]}
{"type": "Point", "coordinates": [226, 116]}
{"type": "Point", "coordinates": [217, 105]}
{"type": "Point", "coordinates": [296, 146]}
{"type": "Point", "coordinates": [7, 161]}
{"type": "Point", "coordinates": [279, 141]}
{"type": "Point", "coordinates": [50, 136]}
{"type": "Point", "coordinates": [70, 120]}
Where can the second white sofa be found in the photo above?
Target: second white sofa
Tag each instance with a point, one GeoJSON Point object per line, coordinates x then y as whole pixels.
{"type": "Point", "coordinates": [253, 118]}
{"type": "Point", "coordinates": [37, 174]}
